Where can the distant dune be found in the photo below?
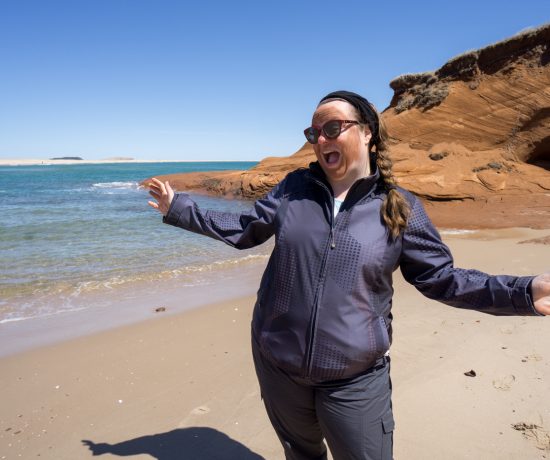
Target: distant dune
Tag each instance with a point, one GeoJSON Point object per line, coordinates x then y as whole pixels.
{"type": "Point", "coordinates": [119, 159]}
{"type": "Point", "coordinates": [50, 161]}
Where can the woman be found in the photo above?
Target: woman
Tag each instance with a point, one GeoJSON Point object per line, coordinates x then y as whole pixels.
{"type": "Point", "coordinates": [321, 326]}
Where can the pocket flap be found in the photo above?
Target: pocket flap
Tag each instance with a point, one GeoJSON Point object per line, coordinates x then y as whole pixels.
{"type": "Point", "coordinates": [388, 424]}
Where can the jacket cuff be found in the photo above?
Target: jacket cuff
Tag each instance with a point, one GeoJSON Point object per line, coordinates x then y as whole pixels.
{"type": "Point", "coordinates": [172, 217]}
{"type": "Point", "coordinates": [521, 297]}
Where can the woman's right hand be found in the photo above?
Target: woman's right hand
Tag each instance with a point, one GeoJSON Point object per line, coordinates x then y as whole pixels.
{"type": "Point", "coordinates": [163, 193]}
{"type": "Point", "coordinates": [540, 290]}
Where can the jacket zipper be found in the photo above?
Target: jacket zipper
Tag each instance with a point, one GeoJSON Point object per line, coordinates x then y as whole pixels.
{"type": "Point", "coordinates": [330, 245]}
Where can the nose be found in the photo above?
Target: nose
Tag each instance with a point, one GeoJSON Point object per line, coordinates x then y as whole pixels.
{"type": "Point", "coordinates": [321, 139]}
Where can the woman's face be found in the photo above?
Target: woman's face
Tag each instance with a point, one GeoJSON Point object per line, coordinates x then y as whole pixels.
{"type": "Point", "coordinates": [346, 158]}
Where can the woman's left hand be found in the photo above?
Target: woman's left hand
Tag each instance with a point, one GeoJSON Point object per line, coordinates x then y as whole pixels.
{"type": "Point", "coordinates": [540, 290]}
{"type": "Point", "coordinates": [163, 193]}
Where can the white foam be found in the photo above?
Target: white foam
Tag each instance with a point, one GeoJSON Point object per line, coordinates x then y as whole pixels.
{"type": "Point", "coordinates": [117, 185]}
{"type": "Point", "coordinates": [220, 264]}
{"type": "Point", "coordinates": [40, 315]}
{"type": "Point", "coordinates": [457, 231]}
{"type": "Point", "coordinates": [11, 320]}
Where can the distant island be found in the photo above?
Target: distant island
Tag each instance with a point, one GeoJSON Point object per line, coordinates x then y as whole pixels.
{"type": "Point", "coordinates": [67, 158]}
{"type": "Point", "coordinates": [110, 159]}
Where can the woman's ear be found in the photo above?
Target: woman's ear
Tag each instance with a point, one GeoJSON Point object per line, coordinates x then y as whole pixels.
{"type": "Point", "coordinates": [368, 137]}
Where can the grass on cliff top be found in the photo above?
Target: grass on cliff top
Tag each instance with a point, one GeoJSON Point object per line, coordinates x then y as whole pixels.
{"type": "Point", "coordinates": [411, 79]}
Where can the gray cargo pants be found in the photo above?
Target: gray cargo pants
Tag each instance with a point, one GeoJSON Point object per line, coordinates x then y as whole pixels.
{"type": "Point", "coordinates": [353, 415]}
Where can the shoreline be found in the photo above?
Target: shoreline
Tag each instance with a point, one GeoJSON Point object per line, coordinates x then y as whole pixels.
{"type": "Point", "coordinates": [134, 304]}
{"type": "Point", "coordinates": [130, 305]}
{"type": "Point", "coordinates": [185, 381]}
{"type": "Point", "coordinates": [49, 162]}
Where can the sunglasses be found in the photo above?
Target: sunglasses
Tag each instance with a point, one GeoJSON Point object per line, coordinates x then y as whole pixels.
{"type": "Point", "coordinates": [331, 130]}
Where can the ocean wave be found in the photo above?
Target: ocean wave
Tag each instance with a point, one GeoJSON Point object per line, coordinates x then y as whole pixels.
{"type": "Point", "coordinates": [77, 189]}
{"type": "Point", "coordinates": [189, 270]}
{"type": "Point", "coordinates": [116, 185]}
{"type": "Point", "coordinates": [456, 231]}
{"type": "Point", "coordinates": [39, 315]}
{"type": "Point", "coordinates": [221, 264]}
{"type": "Point", "coordinates": [18, 318]}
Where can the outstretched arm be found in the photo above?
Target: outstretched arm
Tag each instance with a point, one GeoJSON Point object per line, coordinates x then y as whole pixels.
{"type": "Point", "coordinates": [427, 263]}
{"type": "Point", "coordinates": [240, 230]}
{"type": "Point", "coordinates": [540, 288]}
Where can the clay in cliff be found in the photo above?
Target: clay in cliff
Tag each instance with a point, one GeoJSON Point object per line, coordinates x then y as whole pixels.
{"type": "Point", "coordinates": [472, 139]}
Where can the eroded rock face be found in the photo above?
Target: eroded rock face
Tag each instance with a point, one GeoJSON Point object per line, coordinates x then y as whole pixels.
{"type": "Point", "coordinates": [472, 139]}
{"type": "Point", "coordinates": [489, 111]}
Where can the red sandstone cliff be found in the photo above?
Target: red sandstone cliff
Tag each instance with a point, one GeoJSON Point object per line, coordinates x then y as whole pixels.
{"type": "Point", "coordinates": [249, 184]}
{"type": "Point", "coordinates": [471, 138]}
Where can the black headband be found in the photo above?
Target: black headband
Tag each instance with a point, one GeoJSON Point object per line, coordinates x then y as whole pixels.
{"type": "Point", "coordinates": [364, 107]}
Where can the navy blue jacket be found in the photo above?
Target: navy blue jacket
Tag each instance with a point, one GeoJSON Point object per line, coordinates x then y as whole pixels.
{"type": "Point", "coordinates": [323, 310]}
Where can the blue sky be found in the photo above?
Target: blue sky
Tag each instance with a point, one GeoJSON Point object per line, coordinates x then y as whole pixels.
{"type": "Point", "coordinates": [215, 80]}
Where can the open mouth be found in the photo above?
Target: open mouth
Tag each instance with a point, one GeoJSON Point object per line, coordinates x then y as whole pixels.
{"type": "Point", "coordinates": [331, 158]}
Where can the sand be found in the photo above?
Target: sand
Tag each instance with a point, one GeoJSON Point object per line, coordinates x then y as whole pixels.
{"type": "Point", "coordinates": [183, 386]}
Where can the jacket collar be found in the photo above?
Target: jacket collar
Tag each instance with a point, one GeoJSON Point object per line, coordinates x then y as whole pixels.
{"type": "Point", "coordinates": [362, 187]}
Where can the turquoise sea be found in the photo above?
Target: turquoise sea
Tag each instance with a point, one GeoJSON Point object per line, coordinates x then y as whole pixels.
{"type": "Point", "coordinates": [79, 236]}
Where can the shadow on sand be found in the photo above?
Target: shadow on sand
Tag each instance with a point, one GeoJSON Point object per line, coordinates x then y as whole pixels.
{"type": "Point", "coordinates": [196, 443]}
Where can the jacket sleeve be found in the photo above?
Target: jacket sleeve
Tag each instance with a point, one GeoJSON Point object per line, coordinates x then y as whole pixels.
{"type": "Point", "coordinates": [241, 231]}
{"type": "Point", "coordinates": [427, 263]}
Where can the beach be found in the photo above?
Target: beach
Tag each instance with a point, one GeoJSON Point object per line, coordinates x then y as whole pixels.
{"type": "Point", "coordinates": [181, 384]}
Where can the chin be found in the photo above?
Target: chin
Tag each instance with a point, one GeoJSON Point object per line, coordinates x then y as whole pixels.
{"type": "Point", "coordinates": [335, 174]}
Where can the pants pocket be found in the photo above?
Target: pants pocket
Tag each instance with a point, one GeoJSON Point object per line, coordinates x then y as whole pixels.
{"type": "Point", "coordinates": [388, 425]}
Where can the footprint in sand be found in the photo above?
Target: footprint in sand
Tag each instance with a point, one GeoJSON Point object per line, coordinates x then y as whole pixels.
{"type": "Point", "coordinates": [507, 329]}
{"type": "Point", "coordinates": [190, 419]}
{"type": "Point", "coordinates": [201, 410]}
{"type": "Point", "coordinates": [534, 357]}
{"type": "Point", "coordinates": [504, 383]}
{"type": "Point", "coordinates": [534, 433]}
